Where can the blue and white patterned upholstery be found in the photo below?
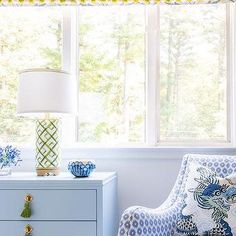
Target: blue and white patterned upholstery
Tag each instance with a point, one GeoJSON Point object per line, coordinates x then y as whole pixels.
{"type": "Point", "coordinates": [161, 221]}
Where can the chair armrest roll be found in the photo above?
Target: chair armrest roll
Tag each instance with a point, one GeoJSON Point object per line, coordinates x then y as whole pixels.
{"type": "Point", "coordinates": [145, 221]}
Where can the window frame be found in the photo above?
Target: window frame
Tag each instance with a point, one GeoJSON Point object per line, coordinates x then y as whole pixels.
{"type": "Point", "coordinates": [70, 56]}
{"type": "Point", "coordinates": [70, 63]}
{"type": "Point", "coordinates": [153, 93]}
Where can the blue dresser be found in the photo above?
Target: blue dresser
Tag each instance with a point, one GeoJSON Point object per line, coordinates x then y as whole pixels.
{"type": "Point", "coordinates": [60, 206]}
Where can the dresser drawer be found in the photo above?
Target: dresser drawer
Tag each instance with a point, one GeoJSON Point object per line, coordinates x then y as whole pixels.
{"type": "Point", "coordinates": [14, 228]}
{"type": "Point", "coordinates": [49, 204]}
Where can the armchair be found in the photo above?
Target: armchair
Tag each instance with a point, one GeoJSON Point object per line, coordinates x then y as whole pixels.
{"type": "Point", "coordinates": [162, 220]}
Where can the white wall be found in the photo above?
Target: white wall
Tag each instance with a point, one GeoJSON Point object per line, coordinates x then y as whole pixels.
{"type": "Point", "coordinates": [145, 175]}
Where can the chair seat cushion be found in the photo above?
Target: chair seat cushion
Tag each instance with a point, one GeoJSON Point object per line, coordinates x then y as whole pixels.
{"type": "Point", "coordinates": [209, 206]}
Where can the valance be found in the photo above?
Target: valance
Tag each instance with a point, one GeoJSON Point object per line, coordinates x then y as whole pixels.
{"type": "Point", "coordinates": [104, 2]}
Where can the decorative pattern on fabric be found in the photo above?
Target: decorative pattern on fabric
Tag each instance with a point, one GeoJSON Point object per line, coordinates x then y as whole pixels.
{"type": "Point", "coordinates": [144, 221]}
{"type": "Point", "coordinates": [105, 2]}
{"type": "Point", "coordinates": [207, 204]}
{"type": "Point", "coordinates": [47, 144]}
{"type": "Point", "coordinates": [141, 222]}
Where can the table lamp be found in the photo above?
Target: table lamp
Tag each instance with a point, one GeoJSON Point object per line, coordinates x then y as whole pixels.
{"type": "Point", "coordinates": [46, 94]}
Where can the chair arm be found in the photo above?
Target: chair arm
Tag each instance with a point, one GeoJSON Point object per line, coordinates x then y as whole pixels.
{"type": "Point", "coordinates": [145, 221]}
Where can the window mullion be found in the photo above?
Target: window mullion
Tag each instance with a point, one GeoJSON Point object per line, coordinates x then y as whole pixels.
{"type": "Point", "coordinates": [153, 76]}
{"type": "Point", "coordinates": [70, 57]}
{"type": "Point", "coordinates": [231, 85]}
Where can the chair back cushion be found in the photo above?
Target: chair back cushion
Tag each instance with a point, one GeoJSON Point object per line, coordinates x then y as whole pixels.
{"type": "Point", "coordinates": [223, 165]}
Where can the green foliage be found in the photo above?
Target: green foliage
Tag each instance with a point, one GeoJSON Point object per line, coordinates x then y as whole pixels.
{"type": "Point", "coordinates": [112, 70]}
{"type": "Point", "coordinates": [193, 75]}
{"type": "Point", "coordinates": [24, 43]}
{"type": "Point", "coordinates": [110, 46]}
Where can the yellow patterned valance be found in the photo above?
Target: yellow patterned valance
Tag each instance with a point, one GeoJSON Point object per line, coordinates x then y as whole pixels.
{"type": "Point", "coordinates": [103, 2]}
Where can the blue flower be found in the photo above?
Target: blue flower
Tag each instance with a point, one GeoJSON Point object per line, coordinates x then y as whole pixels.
{"type": "Point", "coordinates": [9, 156]}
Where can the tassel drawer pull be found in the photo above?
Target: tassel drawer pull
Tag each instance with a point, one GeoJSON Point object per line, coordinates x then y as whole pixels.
{"type": "Point", "coordinates": [28, 230]}
{"type": "Point", "coordinates": [26, 213]}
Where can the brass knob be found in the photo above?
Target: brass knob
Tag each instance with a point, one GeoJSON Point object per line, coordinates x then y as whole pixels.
{"type": "Point", "coordinates": [26, 213]}
{"type": "Point", "coordinates": [28, 198]}
{"type": "Point", "coordinates": [28, 230]}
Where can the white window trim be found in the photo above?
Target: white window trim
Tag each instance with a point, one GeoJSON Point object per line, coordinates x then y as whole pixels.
{"type": "Point", "coordinates": [231, 50]}
{"type": "Point", "coordinates": [152, 73]}
{"type": "Point", "coordinates": [70, 54]}
{"type": "Point", "coordinates": [70, 63]}
{"type": "Point", "coordinates": [125, 153]}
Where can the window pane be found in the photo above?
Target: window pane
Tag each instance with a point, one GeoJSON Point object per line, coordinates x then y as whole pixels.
{"type": "Point", "coordinates": [29, 38]}
{"type": "Point", "coordinates": [112, 74]}
{"type": "Point", "coordinates": [193, 73]}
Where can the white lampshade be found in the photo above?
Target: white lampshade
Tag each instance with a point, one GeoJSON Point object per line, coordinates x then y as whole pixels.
{"type": "Point", "coordinates": [46, 91]}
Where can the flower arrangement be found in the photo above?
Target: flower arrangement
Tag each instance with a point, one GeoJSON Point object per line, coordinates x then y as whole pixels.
{"type": "Point", "coordinates": [9, 156]}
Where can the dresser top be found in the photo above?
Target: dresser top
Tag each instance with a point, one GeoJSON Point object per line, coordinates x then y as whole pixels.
{"type": "Point", "coordinates": [65, 179]}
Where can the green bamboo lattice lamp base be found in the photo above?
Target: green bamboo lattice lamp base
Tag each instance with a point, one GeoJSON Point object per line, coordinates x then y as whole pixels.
{"type": "Point", "coordinates": [47, 147]}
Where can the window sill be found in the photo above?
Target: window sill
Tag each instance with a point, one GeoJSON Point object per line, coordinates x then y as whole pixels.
{"type": "Point", "coordinates": [138, 152]}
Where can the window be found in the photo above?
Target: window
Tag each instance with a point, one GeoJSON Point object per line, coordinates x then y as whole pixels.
{"type": "Point", "coordinates": [193, 73]}
{"type": "Point", "coordinates": [147, 74]}
{"type": "Point", "coordinates": [112, 74]}
{"type": "Point", "coordinates": [29, 38]}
